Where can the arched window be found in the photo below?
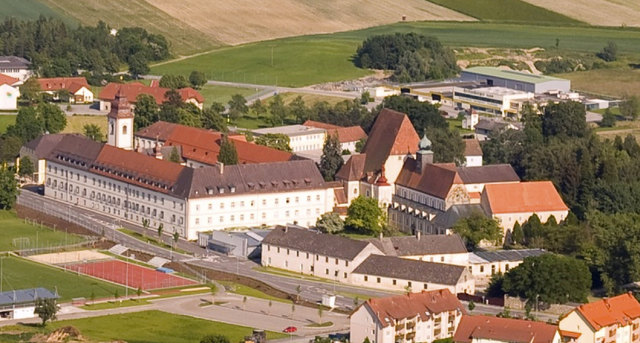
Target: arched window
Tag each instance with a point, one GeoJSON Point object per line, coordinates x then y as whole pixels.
{"type": "Point", "coordinates": [111, 128]}
{"type": "Point", "coordinates": [124, 130]}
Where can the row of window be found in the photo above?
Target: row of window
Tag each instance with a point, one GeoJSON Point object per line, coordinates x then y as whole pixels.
{"type": "Point", "coordinates": [242, 203]}
{"type": "Point", "coordinates": [394, 282]}
{"type": "Point", "coordinates": [423, 199]}
{"type": "Point", "coordinates": [241, 217]}
{"type": "Point", "coordinates": [307, 255]}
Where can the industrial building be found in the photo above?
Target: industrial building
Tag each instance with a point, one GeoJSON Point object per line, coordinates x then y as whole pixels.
{"type": "Point", "coordinates": [521, 81]}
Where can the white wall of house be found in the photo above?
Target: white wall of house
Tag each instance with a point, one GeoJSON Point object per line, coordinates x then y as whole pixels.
{"type": "Point", "coordinates": [508, 220]}
{"type": "Point", "coordinates": [85, 94]}
{"type": "Point", "coordinates": [364, 324]}
{"type": "Point", "coordinates": [9, 97]}
{"type": "Point", "coordinates": [461, 259]}
{"type": "Point", "coordinates": [483, 271]}
{"type": "Point", "coordinates": [575, 323]}
{"type": "Point", "coordinates": [120, 133]}
{"type": "Point", "coordinates": [17, 73]}
{"type": "Point", "coordinates": [24, 312]}
{"type": "Point", "coordinates": [473, 161]}
{"type": "Point", "coordinates": [306, 142]}
{"type": "Point", "coordinates": [199, 105]}
{"type": "Point", "coordinates": [351, 146]}
{"type": "Point", "coordinates": [465, 284]}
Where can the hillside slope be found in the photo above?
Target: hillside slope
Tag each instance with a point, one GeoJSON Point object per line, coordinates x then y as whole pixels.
{"type": "Point", "coordinates": [596, 12]}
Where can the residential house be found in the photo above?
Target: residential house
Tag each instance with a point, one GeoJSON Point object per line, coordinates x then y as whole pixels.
{"type": "Point", "coordinates": [485, 127]}
{"type": "Point", "coordinates": [482, 329]}
{"type": "Point", "coordinates": [472, 153]}
{"type": "Point", "coordinates": [449, 249]}
{"type": "Point", "coordinates": [484, 264]}
{"type": "Point", "coordinates": [21, 304]}
{"type": "Point", "coordinates": [515, 202]}
{"type": "Point", "coordinates": [78, 88]}
{"type": "Point", "coordinates": [17, 67]}
{"type": "Point", "coordinates": [199, 147]}
{"type": "Point", "coordinates": [412, 317]}
{"type": "Point", "coordinates": [301, 138]}
{"type": "Point", "coordinates": [132, 90]}
{"type": "Point", "coordinates": [373, 172]}
{"type": "Point", "coordinates": [400, 274]}
{"type": "Point", "coordinates": [347, 136]}
{"type": "Point", "coordinates": [313, 253]}
{"type": "Point", "coordinates": [9, 92]}
{"type": "Point", "coordinates": [615, 319]}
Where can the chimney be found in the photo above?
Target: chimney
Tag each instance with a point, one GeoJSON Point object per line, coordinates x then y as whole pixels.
{"type": "Point", "coordinates": [380, 235]}
{"type": "Point", "coordinates": [221, 167]}
{"type": "Point", "coordinates": [418, 234]}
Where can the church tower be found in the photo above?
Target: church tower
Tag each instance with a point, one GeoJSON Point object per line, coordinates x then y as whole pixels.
{"type": "Point", "coordinates": [120, 129]}
{"type": "Point", "coordinates": [424, 155]}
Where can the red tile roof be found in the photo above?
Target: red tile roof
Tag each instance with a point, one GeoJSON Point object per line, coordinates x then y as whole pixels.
{"type": "Point", "coordinates": [353, 170]}
{"type": "Point", "coordinates": [390, 309]}
{"type": "Point", "coordinates": [120, 108]}
{"type": "Point", "coordinates": [435, 179]}
{"type": "Point", "coordinates": [504, 329]}
{"type": "Point", "coordinates": [392, 134]}
{"type": "Point", "coordinates": [6, 79]}
{"type": "Point", "coordinates": [523, 197]}
{"type": "Point", "coordinates": [619, 310]}
{"type": "Point", "coordinates": [345, 134]}
{"type": "Point", "coordinates": [132, 90]}
{"type": "Point", "coordinates": [72, 84]}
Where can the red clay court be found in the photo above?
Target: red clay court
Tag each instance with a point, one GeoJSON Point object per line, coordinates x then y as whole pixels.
{"type": "Point", "coordinates": [129, 274]}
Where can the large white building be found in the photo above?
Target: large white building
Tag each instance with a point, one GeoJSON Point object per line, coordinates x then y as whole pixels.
{"type": "Point", "coordinates": [301, 138]}
{"type": "Point", "coordinates": [414, 317]}
{"type": "Point", "coordinates": [130, 186]}
{"type": "Point", "coordinates": [15, 66]}
{"type": "Point", "coordinates": [21, 304]}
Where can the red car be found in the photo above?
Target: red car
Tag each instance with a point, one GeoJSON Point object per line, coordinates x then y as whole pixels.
{"type": "Point", "coordinates": [290, 329]}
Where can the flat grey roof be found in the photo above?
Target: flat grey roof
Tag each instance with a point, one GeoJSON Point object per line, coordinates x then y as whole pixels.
{"type": "Point", "coordinates": [25, 296]}
{"type": "Point", "coordinates": [506, 255]}
{"type": "Point", "coordinates": [290, 130]}
{"type": "Point", "coordinates": [511, 74]}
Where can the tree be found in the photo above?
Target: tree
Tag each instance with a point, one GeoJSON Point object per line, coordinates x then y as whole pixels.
{"type": "Point", "coordinates": [320, 311]}
{"type": "Point", "coordinates": [214, 339]}
{"type": "Point", "coordinates": [360, 144]}
{"type": "Point", "coordinates": [8, 189]}
{"type": "Point", "coordinates": [212, 119]}
{"type": "Point", "coordinates": [564, 119]}
{"type": "Point", "coordinates": [30, 91]}
{"type": "Point", "coordinates": [518, 234]}
{"type": "Point", "coordinates": [138, 65]}
{"type": "Point", "coordinates": [630, 106]}
{"type": "Point", "coordinates": [608, 119]}
{"type": "Point", "coordinates": [173, 81]}
{"type": "Point", "coordinates": [364, 216]}
{"type": "Point", "coordinates": [228, 153]}
{"type": "Point", "coordinates": [146, 111]}
{"type": "Point", "coordinates": [365, 97]}
{"type": "Point", "coordinates": [52, 116]}
{"type": "Point", "coordinates": [330, 222]}
{"type": "Point", "coordinates": [176, 237]}
{"type": "Point", "coordinates": [471, 305]}
{"type": "Point", "coordinates": [298, 109]}
{"type": "Point", "coordinates": [237, 106]}
{"type": "Point", "coordinates": [298, 290]}
{"type": "Point", "coordinates": [278, 110]}
{"type": "Point", "coordinates": [160, 228]}
{"type": "Point", "coordinates": [28, 126]}
{"type": "Point", "coordinates": [476, 228]}
{"type": "Point", "coordinates": [174, 156]}
{"type": "Point", "coordinates": [46, 309]}
{"type": "Point", "coordinates": [139, 291]}
{"type": "Point", "coordinates": [145, 226]}
{"type": "Point", "coordinates": [26, 167]}
{"type": "Point", "coordinates": [331, 160]}
{"type": "Point", "coordinates": [609, 53]}
{"type": "Point", "coordinates": [9, 148]}
{"type": "Point", "coordinates": [93, 132]}
{"type": "Point", "coordinates": [554, 279]}
{"type": "Point", "coordinates": [293, 308]}
{"type": "Point", "coordinates": [274, 140]}
{"type": "Point", "coordinates": [116, 295]}
{"type": "Point", "coordinates": [197, 79]}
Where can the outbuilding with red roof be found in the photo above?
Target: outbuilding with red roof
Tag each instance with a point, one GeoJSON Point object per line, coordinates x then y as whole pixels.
{"type": "Point", "coordinates": [78, 88]}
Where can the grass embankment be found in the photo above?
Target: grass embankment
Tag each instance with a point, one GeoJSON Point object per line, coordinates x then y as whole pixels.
{"type": "Point", "coordinates": [300, 61]}
{"type": "Point", "coordinates": [19, 273]}
{"type": "Point", "coordinates": [16, 234]}
{"type": "Point", "coordinates": [222, 94]}
{"type": "Point", "coordinates": [506, 11]}
{"type": "Point", "coordinates": [250, 292]}
{"type": "Point", "coordinates": [115, 304]}
{"type": "Point", "coordinates": [150, 240]}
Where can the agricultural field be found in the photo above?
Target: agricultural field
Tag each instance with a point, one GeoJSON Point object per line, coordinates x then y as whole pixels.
{"type": "Point", "coordinates": [596, 12]}
{"type": "Point", "coordinates": [19, 273]}
{"type": "Point", "coordinates": [30, 10]}
{"type": "Point", "coordinates": [506, 11]}
{"type": "Point", "coordinates": [609, 82]}
{"type": "Point", "coordinates": [222, 94]}
{"type": "Point", "coordinates": [17, 234]}
{"type": "Point", "coordinates": [155, 327]}
{"type": "Point", "coordinates": [301, 61]}
{"type": "Point", "coordinates": [126, 13]}
{"type": "Point", "coordinates": [237, 22]}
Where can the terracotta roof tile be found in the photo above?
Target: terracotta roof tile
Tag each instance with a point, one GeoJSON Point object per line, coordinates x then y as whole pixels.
{"type": "Point", "coordinates": [72, 84]}
{"type": "Point", "coordinates": [160, 130]}
{"type": "Point", "coordinates": [435, 179]}
{"type": "Point", "coordinates": [353, 170]}
{"type": "Point", "coordinates": [132, 90]}
{"type": "Point", "coordinates": [345, 134]}
{"type": "Point", "coordinates": [472, 147]}
{"type": "Point", "coordinates": [534, 196]}
{"type": "Point", "coordinates": [395, 308]}
{"type": "Point", "coordinates": [414, 270]}
{"type": "Point", "coordinates": [504, 330]}
{"type": "Point", "coordinates": [492, 173]}
{"type": "Point", "coordinates": [619, 310]}
{"type": "Point", "coordinates": [391, 134]}
{"type": "Point", "coordinates": [8, 80]}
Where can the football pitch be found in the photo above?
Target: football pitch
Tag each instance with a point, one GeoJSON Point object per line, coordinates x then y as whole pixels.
{"type": "Point", "coordinates": [16, 234]}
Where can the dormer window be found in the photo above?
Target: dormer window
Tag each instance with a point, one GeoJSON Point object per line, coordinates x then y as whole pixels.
{"type": "Point", "coordinates": [221, 190]}
{"type": "Point", "coordinates": [210, 191]}
{"type": "Point", "coordinates": [232, 188]}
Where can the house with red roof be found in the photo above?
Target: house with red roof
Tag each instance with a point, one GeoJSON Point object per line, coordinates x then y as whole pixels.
{"type": "Point", "coordinates": [481, 329]}
{"type": "Point", "coordinates": [77, 87]}
{"type": "Point", "coordinates": [132, 90]}
{"type": "Point", "coordinates": [347, 136]}
{"type": "Point", "coordinates": [412, 317]}
{"type": "Point", "coordinates": [9, 92]}
{"type": "Point", "coordinates": [615, 319]}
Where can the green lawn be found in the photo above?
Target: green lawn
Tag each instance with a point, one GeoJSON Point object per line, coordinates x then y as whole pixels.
{"type": "Point", "coordinates": [19, 273]}
{"type": "Point", "coordinates": [16, 234]}
{"type": "Point", "coordinates": [30, 10]}
{"type": "Point", "coordinates": [300, 61]}
{"type": "Point", "coordinates": [222, 94]}
{"type": "Point", "coordinates": [156, 327]}
{"type": "Point", "coordinates": [6, 120]}
{"type": "Point", "coordinates": [505, 10]}
{"type": "Point", "coordinates": [250, 292]}
{"type": "Point", "coordinates": [151, 240]}
{"type": "Point", "coordinates": [115, 304]}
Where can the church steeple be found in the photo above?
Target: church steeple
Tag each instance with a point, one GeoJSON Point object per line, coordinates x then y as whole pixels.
{"type": "Point", "coordinates": [424, 155]}
{"type": "Point", "coordinates": [120, 122]}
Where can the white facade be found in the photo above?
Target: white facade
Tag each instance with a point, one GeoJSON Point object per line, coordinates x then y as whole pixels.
{"type": "Point", "coordinates": [575, 322]}
{"type": "Point", "coordinates": [460, 259]}
{"type": "Point", "coordinates": [9, 97]}
{"type": "Point", "coordinates": [19, 73]}
{"type": "Point", "coordinates": [120, 133]}
{"type": "Point", "coordinates": [382, 92]}
{"type": "Point", "coordinates": [494, 100]}
{"type": "Point", "coordinates": [301, 138]}
{"type": "Point", "coordinates": [508, 220]}
{"type": "Point", "coordinates": [83, 95]}
{"type": "Point", "coordinates": [465, 284]}
{"type": "Point", "coordinates": [473, 161]}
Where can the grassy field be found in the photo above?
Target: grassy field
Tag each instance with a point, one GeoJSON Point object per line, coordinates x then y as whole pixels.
{"type": "Point", "coordinates": [155, 327]}
{"type": "Point", "coordinates": [310, 99]}
{"type": "Point", "coordinates": [115, 304]}
{"type": "Point", "coordinates": [184, 39]}
{"type": "Point", "coordinates": [6, 120]}
{"type": "Point", "coordinates": [505, 11]}
{"type": "Point", "coordinates": [76, 123]}
{"type": "Point", "coordinates": [222, 94]}
{"type": "Point", "coordinates": [611, 82]}
{"type": "Point", "coordinates": [315, 59]}
{"type": "Point", "coordinates": [250, 292]}
{"type": "Point", "coordinates": [30, 10]}
{"type": "Point", "coordinates": [596, 12]}
{"type": "Point", "coordinates": [12, 227]}
{"type": "Point", "coordinates": [19, 273]}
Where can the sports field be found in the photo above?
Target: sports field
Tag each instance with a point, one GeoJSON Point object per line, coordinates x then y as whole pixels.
{"type": "Point", "coordinates": [18, 273]}
{"type": "Point", "coordinates": [301, 61]}
{"type": "Point", "coordinates": [506, 11]}
{"type": "Point", "coordinates": [129, 274]}
{"type": "Point", "coordinates": [155, 327]}
{"type": "Point", "coordinates": [15, 234]}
